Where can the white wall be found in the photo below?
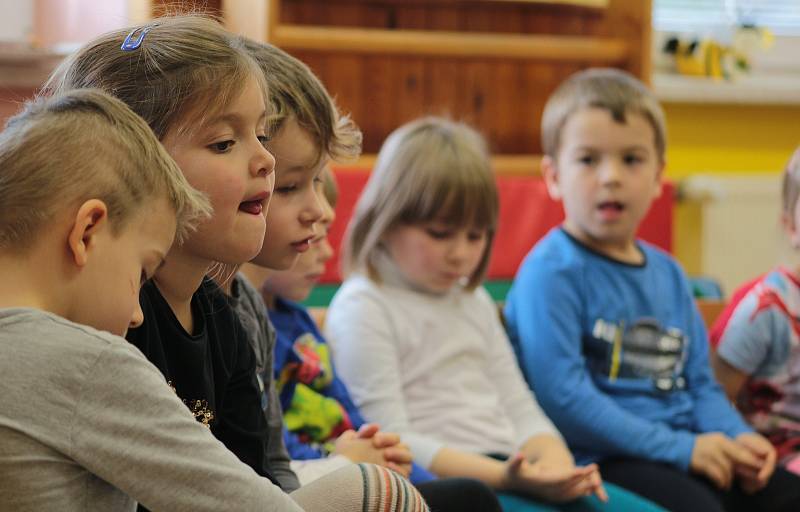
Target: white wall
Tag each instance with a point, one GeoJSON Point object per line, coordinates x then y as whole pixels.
{"type": "Point", "coordinates": [741, 231]}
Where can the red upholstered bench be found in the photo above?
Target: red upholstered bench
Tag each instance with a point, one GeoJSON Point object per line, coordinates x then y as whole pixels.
{"type": "Point", "coordinates": [526, 214]}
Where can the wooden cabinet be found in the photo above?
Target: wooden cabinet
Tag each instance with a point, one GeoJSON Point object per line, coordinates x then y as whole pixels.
{"type": "Point", "coordinates": [491, 63]}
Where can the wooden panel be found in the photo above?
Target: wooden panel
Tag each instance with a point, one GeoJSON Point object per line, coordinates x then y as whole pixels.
{"type": "Point", "coordinates": [490, 63]}
{"type": "Point", "coordinates": [631, 19]}
{"type": "Point", "coordinates": [501, 98]}
{"type": "Point", "coordinates": [173, 7]}
{"type": "Point", "coordinates": [465, 15]}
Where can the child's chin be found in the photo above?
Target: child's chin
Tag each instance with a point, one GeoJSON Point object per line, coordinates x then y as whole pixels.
{"type": "Point", "coordinates": [302, 294]}
{"type": "Point", "coordinates": [240, 255]}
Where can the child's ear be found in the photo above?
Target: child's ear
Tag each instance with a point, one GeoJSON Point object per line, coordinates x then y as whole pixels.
{"type": "Point", "coordinates": [787, 220]}
{"type": "Point", "coordinates": [92, 217]}
{"type": "Point", "coordinates": [549, 169]}
{"type": "Point", "coordinates": [659, 179]}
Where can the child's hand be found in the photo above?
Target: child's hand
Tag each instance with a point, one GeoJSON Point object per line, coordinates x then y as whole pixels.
{"type": "Point", "coordinates": [385, 440]}
{"type": "Point", "coordinates": [368, 430]}
{"type": "Point", "coordinates": [556, 484]}
{"type": "Point", "coordinates": [357, 449]}
{"type": "Point", "coordinates": [715, 456]}
{"type": "Point", "coordinates": [351, 445]}
{"type": "Point", "coordinates": [752, 480]}
{"type": "Point", "coordinates": [379, 439]}
{"type": "Point", "coordinates": [398, 457]}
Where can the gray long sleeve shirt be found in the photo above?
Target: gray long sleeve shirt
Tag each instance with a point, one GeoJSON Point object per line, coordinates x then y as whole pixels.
{"type": "Point", "coordinates": [87, 423]}
{"type": "Point", "coordinates": [252, 311]}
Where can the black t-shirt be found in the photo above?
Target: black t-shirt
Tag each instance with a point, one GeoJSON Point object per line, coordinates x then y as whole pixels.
{"type": "Point", "coordinates": [212, 370]}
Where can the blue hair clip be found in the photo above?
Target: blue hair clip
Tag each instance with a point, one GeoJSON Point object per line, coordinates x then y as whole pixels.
{"type": "Point", "coordinates": [130, 44]}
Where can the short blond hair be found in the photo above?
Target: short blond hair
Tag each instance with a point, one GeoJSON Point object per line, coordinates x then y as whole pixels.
{"type": "Point", "coordinates": [295, 92]}
{"type": "Point", "coordinates": [85, 145]}
{"type": "Point", "coordinates": [187, 69]}
{"type": "Point", "coordinates": [430, 169]}
{"type": "Point", "coordinates": [610, 89]}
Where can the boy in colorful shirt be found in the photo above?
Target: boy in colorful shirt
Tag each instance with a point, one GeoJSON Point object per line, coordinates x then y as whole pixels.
{"type": "Point", "coordinates": [757, 360]}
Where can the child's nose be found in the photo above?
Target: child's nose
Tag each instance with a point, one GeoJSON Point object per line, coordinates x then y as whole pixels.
{"type": "Point", "coordinates": [137, 318]}
{"type": "Point", "coordinates": [459, 249]}
{"type": "Point", "coordinates": [611, 172]}
{"type": "Point", "coordinates": [263, 164]}
{"type": "Point", "coordinates": [313, 211]}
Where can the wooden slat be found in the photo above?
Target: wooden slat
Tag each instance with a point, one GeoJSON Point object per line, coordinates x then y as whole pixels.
{"type": "Point", "coordinates": [595, 4]}
{"type": "Point", "coordinates": [606, 50]}
{"type": "Point", "coordinates": [632, 22]}
{"type": "Point", "coordinates": [506, 165]}
{"type": "Point", "coordinates": [273, 18]}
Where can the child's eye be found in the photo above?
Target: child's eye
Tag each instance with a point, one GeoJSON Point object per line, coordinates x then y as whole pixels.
{"type": "Point", "coordinates": [586, 160]}
{"type": "Point", "coordinates": [222, 146]}
{"type": "Point", "coordinates": [476, 236]}
{"type": "Point", "coordinates": [437, 234]}
{"type": "Point", "coordinates": [285, 189]}
{"type": "Point", "coordinates": [632, 159]}
{"type": "Point", "coordinates": [264, 140]}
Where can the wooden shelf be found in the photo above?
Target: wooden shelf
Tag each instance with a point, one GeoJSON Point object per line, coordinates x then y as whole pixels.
{"type": "Point", "coordinates": [506, 165]}
{"type": "Point", "coordinates": [451, 44]}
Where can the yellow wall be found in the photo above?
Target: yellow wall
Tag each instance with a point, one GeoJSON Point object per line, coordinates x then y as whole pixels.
{"type": "Point", "coordinates": [723, 139]}
{"type": "Point", "coordinates": [730, 138]}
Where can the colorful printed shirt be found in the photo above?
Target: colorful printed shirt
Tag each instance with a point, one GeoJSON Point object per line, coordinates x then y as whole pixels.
{"type": "Point", "coordinates": [762, 339]}
{"type": "Point", "coordinates": [316, 405]}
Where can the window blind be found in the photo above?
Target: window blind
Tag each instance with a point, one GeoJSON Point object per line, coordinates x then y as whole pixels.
{"type": "Point", "coordinates": [780, 16]}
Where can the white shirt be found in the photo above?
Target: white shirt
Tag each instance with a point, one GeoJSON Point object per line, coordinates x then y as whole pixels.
{"type": "Point", "coordinates": [437, 369]}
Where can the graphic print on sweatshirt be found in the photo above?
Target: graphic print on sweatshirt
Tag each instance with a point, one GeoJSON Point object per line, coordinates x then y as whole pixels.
{"type": "Point", "coordinates": [643, 350]}
{"type": "Point", "coordinates": [317, 419]}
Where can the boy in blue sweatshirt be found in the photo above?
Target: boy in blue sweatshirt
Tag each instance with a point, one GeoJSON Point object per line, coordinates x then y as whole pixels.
{"type": "Point", "coordinates": [605, 327]}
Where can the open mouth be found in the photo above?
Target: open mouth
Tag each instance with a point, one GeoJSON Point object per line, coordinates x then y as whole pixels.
{"type": "Point", "coordinates": [302, 245]}
{"type": "Point", "coordinates": [254, 205]}
{"type": "Point", "coordinates": [611, 207]}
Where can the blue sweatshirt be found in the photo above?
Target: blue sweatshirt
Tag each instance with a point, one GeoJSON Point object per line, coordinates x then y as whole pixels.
{"type": "Point", "coordinates": [617, 354]}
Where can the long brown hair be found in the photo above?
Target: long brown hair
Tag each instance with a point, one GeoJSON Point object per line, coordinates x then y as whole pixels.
{"type": "Point", "coordinates": [187, 68]}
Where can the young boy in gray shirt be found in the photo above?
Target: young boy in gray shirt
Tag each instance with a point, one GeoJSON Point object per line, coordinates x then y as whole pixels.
{"type": "Point", "coordinates": [91, 202]}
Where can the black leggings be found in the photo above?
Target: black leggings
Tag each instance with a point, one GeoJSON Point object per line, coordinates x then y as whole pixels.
{"type": "Point", "coordinates": [678, 491]}
{"type": "Point", "coordinates": [459, 495]}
